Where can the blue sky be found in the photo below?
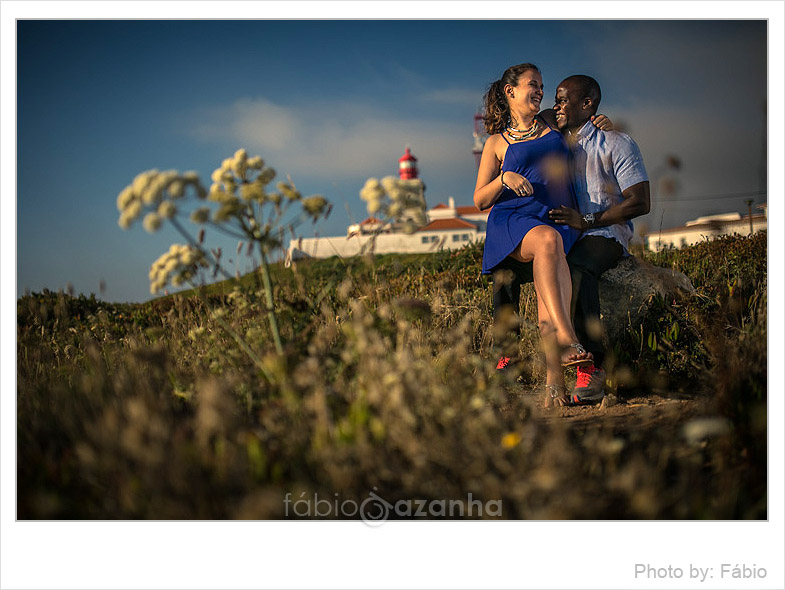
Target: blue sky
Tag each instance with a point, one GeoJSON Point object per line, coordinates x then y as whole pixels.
{"type": "Point", "coordinates": [331, 103]}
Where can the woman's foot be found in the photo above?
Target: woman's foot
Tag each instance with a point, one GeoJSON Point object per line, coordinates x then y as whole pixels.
{"type": "Point", "coordinates": [556, 396]}
{"type": "Point", "coordinates": [575, 355]}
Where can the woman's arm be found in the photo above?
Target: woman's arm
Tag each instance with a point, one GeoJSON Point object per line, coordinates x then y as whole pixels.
{"type": "Point", "coordinates": [602, 122]}
{"type": "Point", "coordinates": [489, 182]}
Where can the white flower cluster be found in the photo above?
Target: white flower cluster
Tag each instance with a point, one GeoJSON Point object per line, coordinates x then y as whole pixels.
{"type": "Point", "coordinates": [239, 191]}
{"type": "Point", "coordinates": [178, 265]}
{"type": "Point", "coordinates": [155, 190]}
{"type": "Point", "coordinates": [316, 205]}
{"type": "Point", "coordinates": [397, 199]}
{"type": "Point", "coordinates": [237, 180]}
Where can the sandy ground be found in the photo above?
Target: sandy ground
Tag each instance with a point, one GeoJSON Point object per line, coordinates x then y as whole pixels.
{"type": "Point", "coordinates": [648, 411]}
{"type": "Point", "coordinates": [636, 412]}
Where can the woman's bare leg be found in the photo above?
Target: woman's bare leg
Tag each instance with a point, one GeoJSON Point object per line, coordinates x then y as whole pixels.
{"type": "Point", "coordinates": [543, 246]}
{"type": "Point", "coordinates": [554, 373]}
{"type": "Point", "coordinates": [550, 346]}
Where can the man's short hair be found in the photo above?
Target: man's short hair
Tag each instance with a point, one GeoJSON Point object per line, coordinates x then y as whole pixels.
{"type": "Point", "coordinates": [587, 87]}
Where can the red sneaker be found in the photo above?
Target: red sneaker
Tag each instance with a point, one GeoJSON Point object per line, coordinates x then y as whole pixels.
{"type": "Point", "coordinates": [503, 363]}
{"type": "Point", "coordinates": [590, 385]}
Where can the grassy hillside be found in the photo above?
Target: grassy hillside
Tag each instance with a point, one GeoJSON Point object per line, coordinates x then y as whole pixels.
{"type": "Point", "coordinates": [180, 408]}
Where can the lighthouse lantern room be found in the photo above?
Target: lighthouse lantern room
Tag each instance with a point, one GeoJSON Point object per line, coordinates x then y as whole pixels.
{"type": "Point", "coordinates": [407, 165]}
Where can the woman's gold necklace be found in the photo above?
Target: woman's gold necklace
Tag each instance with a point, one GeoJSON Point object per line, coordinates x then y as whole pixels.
{"type": "Point", "coordinates": [524, 133]}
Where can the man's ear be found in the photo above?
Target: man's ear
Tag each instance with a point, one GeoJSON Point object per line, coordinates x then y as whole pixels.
{"type": "Point", "coordinates": [587, 104]}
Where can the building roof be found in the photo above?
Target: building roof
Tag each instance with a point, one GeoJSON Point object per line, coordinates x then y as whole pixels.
{"type": "Point", "coordinates": [469, 210]}
{"type": "Point", "coordinates": [721, 218]}
{"type": "Point", "coordinates": [370, 220]}
{"type": "Point", "coordinates": [454, 223]}
{"type": "Point", "coordinates": [713, 225]}
{"type": "Point", "coordinates": [460, 210]}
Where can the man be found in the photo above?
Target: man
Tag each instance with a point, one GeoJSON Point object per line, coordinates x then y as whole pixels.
{"type": "Point", "coordinates": [612, 188]}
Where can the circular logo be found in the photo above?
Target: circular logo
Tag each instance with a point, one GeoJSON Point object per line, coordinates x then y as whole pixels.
{"type": "Point", "coordinates": [374, 510]}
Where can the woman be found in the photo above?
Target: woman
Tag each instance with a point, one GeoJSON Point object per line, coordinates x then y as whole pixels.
{"type": "Point", "coordinates": [523, 174]}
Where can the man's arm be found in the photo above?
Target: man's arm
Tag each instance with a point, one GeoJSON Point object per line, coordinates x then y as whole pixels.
{"type": "Point", "coordinates": [548, 116]}
{"type": "Point", "coordinates": [636, 202]}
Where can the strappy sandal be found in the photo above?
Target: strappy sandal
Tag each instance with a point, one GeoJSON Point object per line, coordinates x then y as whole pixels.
{"type": "Point", "coordinates": [556, 395]}
{"type": "Point", "coordinates": [579, 362]}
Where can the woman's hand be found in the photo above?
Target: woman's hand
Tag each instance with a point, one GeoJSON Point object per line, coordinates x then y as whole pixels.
{"type": "Point", "coordinates": [566, 216]}
{"type": "Point", "coordinates": [517, 184]}
{"type": "Point", "coordinates": [602, 122]}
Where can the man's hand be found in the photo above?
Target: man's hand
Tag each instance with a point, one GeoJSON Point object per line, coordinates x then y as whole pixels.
{"type": "Point", "coordinates": [567, 216]}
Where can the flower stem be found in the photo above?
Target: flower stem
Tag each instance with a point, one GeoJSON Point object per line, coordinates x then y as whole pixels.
{"type": "Point", "coordinates": [194, 244]}
{"type": "Point", "coordinates": [243, 345]}
{"type": "Point", "coordinates": [268, 294]}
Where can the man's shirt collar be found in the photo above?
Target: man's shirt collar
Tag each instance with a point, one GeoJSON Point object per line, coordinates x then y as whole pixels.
{"type": "Point", "coordinates": [588, 130]}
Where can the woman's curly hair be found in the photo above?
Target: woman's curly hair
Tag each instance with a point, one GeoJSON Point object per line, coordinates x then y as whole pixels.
{"type": "Point", "coordinates": [497, 110]}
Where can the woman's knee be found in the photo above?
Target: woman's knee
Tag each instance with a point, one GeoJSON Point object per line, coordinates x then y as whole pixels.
{"type": "Point", "coordinates": [542, 241]}
{"type": "Point", "coordinates": [548, 241]}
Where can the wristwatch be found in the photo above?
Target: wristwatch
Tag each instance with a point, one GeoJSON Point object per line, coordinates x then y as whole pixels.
{"type": "Point", "coordinates": [589, 219]}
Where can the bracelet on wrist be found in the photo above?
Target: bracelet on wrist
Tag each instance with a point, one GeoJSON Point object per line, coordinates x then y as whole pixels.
{"type": "Point", "coordinates": [589, 219]}
{"type": "Point", "coordinates": [503, 183]}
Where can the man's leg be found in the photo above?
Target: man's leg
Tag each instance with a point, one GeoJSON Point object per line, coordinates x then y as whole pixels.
{"type": "Point", "coordinates": [588, 259]}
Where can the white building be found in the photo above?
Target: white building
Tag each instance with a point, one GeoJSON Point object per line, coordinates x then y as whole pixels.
{"type": "Point", "coordinates": [449, 227]}
{"type": "Point", "coordinates": [710, 226]}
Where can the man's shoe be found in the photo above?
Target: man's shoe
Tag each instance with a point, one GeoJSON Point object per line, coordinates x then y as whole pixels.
{"type": "Point", "coordinates": [590, 386]}
{"type": "Point", "coordinates": [503, 363]}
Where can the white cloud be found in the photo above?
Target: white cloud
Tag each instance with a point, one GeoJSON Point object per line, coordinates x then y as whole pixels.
{"type": "Point", "coordinates": [330, 140]}
{"type": "Point", "coordinates": [455, 96]}
{"type": "Point", "coordinates": [263, 124]}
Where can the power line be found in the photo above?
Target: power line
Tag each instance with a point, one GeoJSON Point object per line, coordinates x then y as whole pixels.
{"type": "Point", "coordinates": [703, 197]}
{"type": "Point", "coordinates": [687, 206]}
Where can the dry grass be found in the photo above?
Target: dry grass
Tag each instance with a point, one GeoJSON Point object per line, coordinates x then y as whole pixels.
{"type": "Point", "coordinates": [181, 408]}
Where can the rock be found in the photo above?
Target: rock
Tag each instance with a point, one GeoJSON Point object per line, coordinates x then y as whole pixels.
{"type": "Point", "coordinates": [627, 291]}
{"type": "Point", "coordinates": [608, 401]}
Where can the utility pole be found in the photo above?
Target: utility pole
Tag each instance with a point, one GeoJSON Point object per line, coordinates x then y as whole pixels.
{"type": "Point", "coordinates": [749, 210]}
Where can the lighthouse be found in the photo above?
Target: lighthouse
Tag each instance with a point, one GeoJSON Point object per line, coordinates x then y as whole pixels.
{"type": "Point", "coordinates": [479, 138]}
{"type": "Point", "coordinates": [407, 170]}
{"type": "Point", "coordinates": [407, 165]}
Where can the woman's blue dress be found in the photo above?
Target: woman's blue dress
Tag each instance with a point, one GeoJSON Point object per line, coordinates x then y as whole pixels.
{"type": "Point", "coordinates": [545, 164]}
